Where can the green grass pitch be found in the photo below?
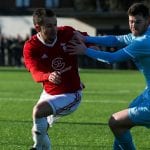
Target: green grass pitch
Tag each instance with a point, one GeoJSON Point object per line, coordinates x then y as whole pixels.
{"type": "Point", "coordinates": [106, 92]}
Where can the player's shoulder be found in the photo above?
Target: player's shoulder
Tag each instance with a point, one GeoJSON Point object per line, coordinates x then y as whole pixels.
{"type": "Point", "coordinates": [66, 28]}
{"type": "Point", "coordinates": [30, 39]}
{"type": "Point", "coordinates": [33, 40]}
{"type": "Point", "coordinates": [69, 29]}
{"type": "Point", "coordinates": [140, 45]}
{"type": "Point", "coordinates": [144, 41]}
{"type": "Point", "coordinates": [66, 32]}
{"type": "Point", "coordinates": [32, 43]}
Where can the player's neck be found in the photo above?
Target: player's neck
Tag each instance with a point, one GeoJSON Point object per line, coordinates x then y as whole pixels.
{"type": "Point", "coordinates": [46, 42]}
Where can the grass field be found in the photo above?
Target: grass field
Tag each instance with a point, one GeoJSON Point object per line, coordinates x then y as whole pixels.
{"type": "Point", "coordinates": [106, 92]}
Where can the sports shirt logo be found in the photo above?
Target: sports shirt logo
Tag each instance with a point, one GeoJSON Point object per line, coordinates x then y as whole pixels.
{"type": "Point", "coordinates": [58, 63]}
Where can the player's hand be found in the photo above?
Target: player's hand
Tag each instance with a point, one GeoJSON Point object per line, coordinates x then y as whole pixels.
{"type": "Point", "coordinates": [76, 47]}
{"type": "Point", "coordinates": [78, 36]}
{"type": "Point", "coordinates": [55, 77]}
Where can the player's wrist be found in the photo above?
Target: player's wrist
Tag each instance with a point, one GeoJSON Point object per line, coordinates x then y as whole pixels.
{"type": "Point", "coordinates": [49, 77]}
{"type": "Point", "coordinates": [55, 77]}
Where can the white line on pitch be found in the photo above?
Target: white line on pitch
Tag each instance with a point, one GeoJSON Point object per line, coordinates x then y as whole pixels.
{"type": "Point", "coordinates": [83, 101]}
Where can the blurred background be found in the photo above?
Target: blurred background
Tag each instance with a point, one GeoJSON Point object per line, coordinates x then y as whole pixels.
{"type": "Point", "coordinates": [96, 17]}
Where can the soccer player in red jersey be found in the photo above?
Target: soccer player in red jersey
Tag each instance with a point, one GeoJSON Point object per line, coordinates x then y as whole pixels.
{"type": "Point", "coordinates": [45, 58]}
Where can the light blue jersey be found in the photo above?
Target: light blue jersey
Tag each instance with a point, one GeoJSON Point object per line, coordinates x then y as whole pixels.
{"type": "Point", "coordinates": [137, 49]}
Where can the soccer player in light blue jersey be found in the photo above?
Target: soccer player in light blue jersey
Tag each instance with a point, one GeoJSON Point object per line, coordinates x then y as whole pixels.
{"type": "Point", "coordinates": [133, 46]}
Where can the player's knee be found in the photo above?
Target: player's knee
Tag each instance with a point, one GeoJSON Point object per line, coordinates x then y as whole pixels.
{"type": "Point", "coordinates": [113, 122]}
{"type": "Point", "coordinates": [36, 112]}
{"type": "Point", "coordinates": [42, 110]}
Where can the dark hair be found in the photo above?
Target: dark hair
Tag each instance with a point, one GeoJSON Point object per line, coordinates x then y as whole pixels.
{"type": "Point", "coordinates": [40, 13]}
{"type": "Point", "coordinates": [138, 9]}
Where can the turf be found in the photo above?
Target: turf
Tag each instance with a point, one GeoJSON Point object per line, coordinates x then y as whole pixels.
{"type": "Point", "coordinates": [106, 92]}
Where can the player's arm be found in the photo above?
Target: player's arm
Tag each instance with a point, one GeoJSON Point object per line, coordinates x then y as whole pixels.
{"type": "Point", "coordinates": [108, 41]}
{"type": "Point", "coordinates": [108, 57]}
{"type": "Point", "coordinates": [40, 76]}
{"type": "Point", "coordinates": [36, 69]}
{"type": "Point", "coordinates": [138, 48]}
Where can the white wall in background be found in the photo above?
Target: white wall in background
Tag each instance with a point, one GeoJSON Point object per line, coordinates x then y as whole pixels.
{"type": "Point", "coordinates": [22, 25]}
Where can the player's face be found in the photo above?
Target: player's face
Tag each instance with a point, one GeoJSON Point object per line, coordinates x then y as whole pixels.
{"type": "Point", "coordinates": [138, 24]}
{"type": "Point", "coordinates": [49, 29]}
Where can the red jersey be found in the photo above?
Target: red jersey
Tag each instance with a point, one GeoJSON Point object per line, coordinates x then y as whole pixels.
{"type": "Point", "coordinates": [41, 60]}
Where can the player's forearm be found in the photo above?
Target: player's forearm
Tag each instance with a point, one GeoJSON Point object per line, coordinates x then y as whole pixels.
{"type": "Point", "coordinates": [39, 76]}
{"type": "Point", "coordinates": [108, 57]}
{"type": "Point", "coordinates": [110, 41]}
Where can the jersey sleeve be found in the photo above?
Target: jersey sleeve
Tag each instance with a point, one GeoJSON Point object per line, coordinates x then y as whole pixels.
{"type": "Point", "coordinates": [108, 57]}
{"type": "Point", "coordinates": [32, 64]}
{"type": "Point", "coordinates": [111, 40]}
{"type": "Point", "coordinates": [125, 39]}
{"type": "Point", "coordinates": [136, 48]}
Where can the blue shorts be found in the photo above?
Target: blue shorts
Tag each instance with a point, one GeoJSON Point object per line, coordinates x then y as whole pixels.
{"type": "Point", "coordinates": [139, 109]}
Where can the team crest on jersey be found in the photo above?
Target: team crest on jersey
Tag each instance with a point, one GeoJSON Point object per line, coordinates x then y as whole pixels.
{"type": "Point", "coordinates": [58, 63]}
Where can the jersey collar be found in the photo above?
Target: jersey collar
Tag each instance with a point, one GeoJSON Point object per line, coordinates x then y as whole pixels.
{"type": "Point", "coordinates": [49, 45]}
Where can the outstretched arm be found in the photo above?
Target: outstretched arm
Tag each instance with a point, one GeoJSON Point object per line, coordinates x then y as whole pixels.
{"type": "Point", "coordinates": [109, 41]}
{"type": "Point", "coordinates": [108, 57]}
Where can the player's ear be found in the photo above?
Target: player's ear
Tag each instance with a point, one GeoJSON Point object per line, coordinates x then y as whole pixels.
{"type": "Point", "coordinates": [37, 28]}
